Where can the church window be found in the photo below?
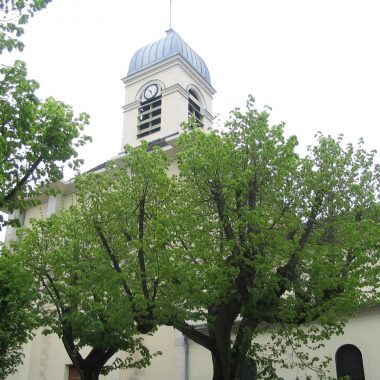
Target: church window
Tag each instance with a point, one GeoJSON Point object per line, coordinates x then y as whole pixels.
{"type": "Point", "coordinates": [194, 107]}
{"type": "Point", "coordinates": [349, 362]}
{"type": "Point", "coordinates": [149, 119]}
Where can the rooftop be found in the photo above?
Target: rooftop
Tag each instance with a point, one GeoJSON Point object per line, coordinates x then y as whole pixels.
{"type": "Point", "coordinates": [167, 47]}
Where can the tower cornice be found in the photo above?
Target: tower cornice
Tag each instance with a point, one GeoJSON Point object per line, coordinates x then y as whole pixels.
{"type": "Point", "coordinates": [166, 65]}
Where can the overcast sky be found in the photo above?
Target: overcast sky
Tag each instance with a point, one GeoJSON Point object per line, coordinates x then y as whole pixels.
{"type": "Point", "coordinates": [315, 62]}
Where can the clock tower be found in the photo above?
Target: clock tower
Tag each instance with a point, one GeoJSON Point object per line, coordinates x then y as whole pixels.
{"type": "Point", "coordinates": [167, 82]}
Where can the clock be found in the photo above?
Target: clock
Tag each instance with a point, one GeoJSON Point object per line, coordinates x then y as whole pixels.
{"type": "Point", "coordinates": [151, 91]}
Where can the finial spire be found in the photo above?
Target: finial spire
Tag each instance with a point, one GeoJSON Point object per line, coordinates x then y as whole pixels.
{"type": "Point", "coordinates": [170, 13]}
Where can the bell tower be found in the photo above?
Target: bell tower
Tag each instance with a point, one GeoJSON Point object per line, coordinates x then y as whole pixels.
{"type": "Point", "coordinates": [167, 82]}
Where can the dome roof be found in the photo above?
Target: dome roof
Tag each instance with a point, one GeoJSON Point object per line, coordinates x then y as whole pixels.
{"type": "Point", "coordinates": [167, 47]}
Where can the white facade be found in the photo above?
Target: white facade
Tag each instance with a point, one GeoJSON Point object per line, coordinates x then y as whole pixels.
{"type": "Point", "coordinates": [363, 331]}
{"type": "Point", "coordinates": [182, 359]}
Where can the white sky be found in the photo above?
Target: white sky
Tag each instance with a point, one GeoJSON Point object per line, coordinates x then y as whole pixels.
{"type": "Point", "coordinates": [315, 62]}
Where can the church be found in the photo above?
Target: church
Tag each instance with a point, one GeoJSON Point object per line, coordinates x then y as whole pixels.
{"type": "Point", "coordinates": [166, 82]}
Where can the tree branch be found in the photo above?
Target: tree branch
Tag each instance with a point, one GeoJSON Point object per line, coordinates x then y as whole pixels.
{"type": "Point", "coordinates": [287, 271]}
{"type": "Point", "coordinates": [111, 255]}
{"type": "Point", "coordinates": [215, 189]}
{"type": "Point", "coordinates": [195, 335]}
{"type": "Point", "coordinates": [22, 182]}
{"type": "Point", "coordinates": [141, 252]}
{"type": "Point", "coordinates": [68, 342]}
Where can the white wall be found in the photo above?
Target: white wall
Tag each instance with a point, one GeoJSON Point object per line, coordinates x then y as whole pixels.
{"type": "Point", "coordinates": [362, 331]}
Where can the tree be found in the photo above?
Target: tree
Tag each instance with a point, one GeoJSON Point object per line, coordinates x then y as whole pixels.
{"type": "Point", "coordinates": [14, 15]}
{"type": "Point", "coordinates": [104, 264]}
{"type": "Point", "coordinates": [36, 138]}
{"type": "Point", "coordinates": [131, 209]}
{"type": "Point", "coordinates": [77, 294]}
{"type": "Point", "coordinates": [249, 235]}
{"type": "Point", "coordinates": [17, 315]}
{"type": "Point", "coordinates": [284, 240]}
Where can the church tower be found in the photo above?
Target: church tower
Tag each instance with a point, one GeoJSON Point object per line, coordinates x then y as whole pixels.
{"type": "Point", "coordinates": [167, 82]}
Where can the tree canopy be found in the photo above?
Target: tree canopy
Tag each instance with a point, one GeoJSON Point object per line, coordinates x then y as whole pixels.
{"type": "Point", "coordinates": [248, 237]}
{"type": "Point", "coordinates": [107, 264]}
{"type": "Point", "coordinates": [36, 138]}
{"type": "Point", "coordinates": [14, 14]}
{"type": "Point", "coordinates": [132, 210]}
{"type": "Point", "coordinates": [16, 310]}
{"type": "Point", "coordinates": [288, 240]}
{"type": "Point", "coordinates": [77, 294]}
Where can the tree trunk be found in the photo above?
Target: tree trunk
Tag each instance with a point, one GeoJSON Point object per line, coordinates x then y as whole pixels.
{"type": "Point", "coordinates": [89, 368]}
{"type": "Point", "coordinates": [230, 356]}
{"type": "Point", "coordinates": [245, 370]}
{"type": "Point", "coordinates": [217, 367]}
{"type": "Point", "coordinates": [239, 369]}
{"type": "Point", "coordinates": [220, 332]}
{"type": "Point", "coordinates": [89, 374]}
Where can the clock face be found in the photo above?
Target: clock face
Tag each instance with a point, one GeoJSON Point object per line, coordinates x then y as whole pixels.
{"type": "Point", "coordinates": [151, 91]}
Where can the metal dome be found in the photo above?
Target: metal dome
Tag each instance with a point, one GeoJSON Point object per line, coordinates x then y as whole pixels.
{"type": "Point", "coordinates": [166, 47]}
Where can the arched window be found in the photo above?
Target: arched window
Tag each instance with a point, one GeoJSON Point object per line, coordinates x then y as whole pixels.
{"type": "Point", "coordinates": [349, 362]}
{"type": "Point", "coordinates": [194, 107]}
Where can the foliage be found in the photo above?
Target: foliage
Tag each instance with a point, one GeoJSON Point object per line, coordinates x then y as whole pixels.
{"type": "Point", "coordinates": [248, 235]}
{"type": "Point", "coordinates": [36, 138]}
{"type": "Point", "coordinates": [132, 207]}
{"type": "Point", "coordinates": [111, 264]}
{"type": "Point", "coordinates": [17, 315]}
{"type": "Point", "coordinates": [285, 240]}
{"type": "Point", "coordinates": [14, 14]}
{"type": "Point", "coordinates": [79, 296]}
{"type": "Point", "coordinates": [102, 263]}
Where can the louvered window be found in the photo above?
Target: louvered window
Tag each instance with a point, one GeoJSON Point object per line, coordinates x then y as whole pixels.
{"type": "Point", "coordinates": [149, 119]}
{"type": "Point", "coordinates": [349, 362]}
{"type": "Point", "coordinates": [194, 107]}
